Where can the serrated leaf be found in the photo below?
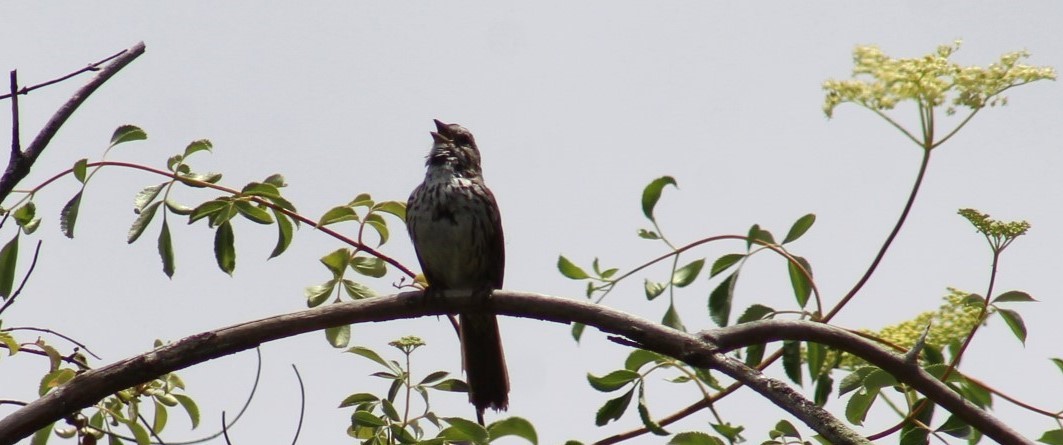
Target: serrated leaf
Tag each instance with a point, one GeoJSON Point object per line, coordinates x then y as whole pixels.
{"type": "Point", "coordinates": [672, 320]}
{"type": "Point", "coordinates": [225, 248]}
{"type": "Point", "coordinates": [166, 249]}
{"type": "Point", "coordinates": [799, 227]}
{"type": "Point", "coordinates": [758, 234]}
{"type": "Point", "coordinates": [855, 379]}
{"type": "Point", "coordinates": [396, 208]}
{"type": "Point", "coordinates": [569, 269]}
{"type": "Point", "coordinates": [369, 266]}
{"type": "Point", "coordinates": [285, 233]}
{"type": "Point", "coordinates": [200, 145]}
{"type": "Point", "coordinates": [858, 405]}
{"type": "Point", "coordinates": [127, 133]}
{"type": "Point", "coordinates": [800, 283]}
{"type": "Point", "coordinates": [754, 313]}
{"type": "Point", "coordinates": [754, 354]}
{"type": "Point", "coordinates": [253, 212]}
{"type": "Point", "coordinates": [338, 336]}
{"type": "Point", "coordinates": [724, 262]}
{"type": "Point", "coordinates": [694, 438]}
{"type": "Point", "coordinates": [639, 357]}
{"type": "Point", "coordinates": [337, 261]}
{"type": "Point", "coordinates": [687, 274]}
{"type": "Point", "coordinates": [614, 408]}
{"type": "Point", "coordinates": [146, 196]}
{"type": "Point", "coordinates": [338, 214]}
{"type": "Point", "coordinates": [613, 380]}
{"type": "Point", "coordinates": [357, 291]}
{"type": "Point", "coordinates": [315, 295]}
{"type": "Point", "coordinates": [653, 289]}
{"type": "Point", "coordinates": [644, 415]}
{"type": "Point", "coordinates": [815, 354]}
{"type": "Point", "coordinates": [8, 259]}
{"type": "Point", "coordinates": [720, 300]}
{"type": "Point", "coordinates": [513, 426]}
{"type": "Point", "coordinates": [141, 222]}
{"type": "Point", "coordinates": [791, 361]}
{"type": "Point", "coordinates": [80, 169]}
{"type": "Point", "coordinates": [1015, 323]}
{"type": "Point", "coordinates": [1013, 296]}
{"type": "Point", "coordinates": [68, 217]}
{"type": "Point", "coordinates": [652, 193]}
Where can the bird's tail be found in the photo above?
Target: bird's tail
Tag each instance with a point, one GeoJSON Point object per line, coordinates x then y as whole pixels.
{"type": "Point", "coordinates": [485, 363]}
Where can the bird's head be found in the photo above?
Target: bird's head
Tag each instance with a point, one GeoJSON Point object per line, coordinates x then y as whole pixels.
{"type": "Point", "coordinates": [454, 148]}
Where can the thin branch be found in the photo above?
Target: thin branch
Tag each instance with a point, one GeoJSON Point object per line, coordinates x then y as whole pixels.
{"type": "Point", "coordinates": [302, 404]}
{"type": "Point", "coordinates": [90, 67]}
{"type": "Point", "coordinates": [22, 161]}
{"type": "Point", "coordinates": [16, 140]}
{"type": "Point", "coordinates": [91, 386]}
{"type": "Point", "coordinates": [57, 334]}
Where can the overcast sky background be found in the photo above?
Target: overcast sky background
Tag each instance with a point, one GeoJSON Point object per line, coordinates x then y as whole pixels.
{"type": "Point", "coordinates": [576, 106]}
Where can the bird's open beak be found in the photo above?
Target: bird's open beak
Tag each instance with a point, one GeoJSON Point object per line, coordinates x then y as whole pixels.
{"type": "Point", "coordinates": [441, 127]}
{"type": "Point", "coordinates": [438, 138]}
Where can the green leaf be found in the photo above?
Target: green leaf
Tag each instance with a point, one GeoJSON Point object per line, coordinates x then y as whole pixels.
{"type": "Point", "coordinates": [276, 180]}
{"type": "Point", "coordinates": [396, 208]}
{"type": "Point", "coordinates": [200, 145]}
{"type": "Point", "coordinates": [357, 291]}
{"type": "Point", "coordinates": [639, 357]}
{"type": "Point", "coordinates": [197, 180]}
{"type": "Point", "coordinates": [81, 169]}
{"type": "Point", "coordinates": [855, 379]}
{"type": "Point", "coordinates": [687, 274]}
{"type": "Point", "coordinates": [1052, 437]}
{"type": "Point", "coordinates": [285, 233]}
{"type": "Point", "coordinates": [253, 212]}
{"type": "Point", "coordinates": [858, 405]}
{"type": "Point", "coordinates": [1014, 321]}
{"type": "Point", "coordinates": [369, 266]}
{"type": "Point", "coordinates": [720, 300]}
{"type": "Point", "coordinates": [570, 270]}
{"type": "Point", "coordinates": [338, 336]}
{"type": "Point", "coordinates": [577, 331]}
{"type": "Point", "coordinates": [377, 222]}
{"type": "Point", "coordinates": [371, 355]}
{"type": "Point", "coordinates": [263, 190]}
{"type": "Point", "coordinates": [146, 196]}
{"type": "Point", "coordinates": [786, 429]}
{"type": "Point", "coordinates": [1058, 363]}
{"type": "Point", "coordinates": [8, 259]}
{"type": "Point", "coordinates": [694, 438]}
{"type": "Point", "coordinates": [754, 354]}
{"type": "Point", "coordinates": [69, 215]}
{"type": "Point", "coordinates": [337, 261]}
{"type": "Point", "coordinates": [452, 385]}
{"type": "Point", "coordinates": [613, 380]}
{"type": "Point", "coordinates": [799, 228]}
{"type": "Point", "coordinates": [315, 295]}
{"type": "Point", "coordinates": [127, 133]}
{"type": "Point", "coordinates": [362, 200]}
{"type": "Point", "coordinates": [652, 193]}
{"type": "Point", "coordinates": [824, 387]}
{"type": "Point", "coordinates": [800, 283]}
{"type": "Point", "coordinates": [725, 262]}
{"type": "Point", "coordinates": [42, 435]}
{"type": "Point", "coordinates": [358, 398]}
{"type": "Point", "coordinates": [672, 320]}
{"type": "Point", "coordinates": [648, 234]}
{"type": "Point", "coordinates": [730, 432]}
{"type": "Point", "coordinates": [644, 415]}
{"type": "Point", "coordinates": [758, 234]}
{"type": "Point", "coordinates": [791, 360]}
{"type": "Point", "coordinates": [26, 217]}
{"type": "Point", "coordinates": [955, 427]}
{"type": "Point", "coordinates": [653, 289]}
{"type": "Point", "coordinates": [166, 249]}
{"type": "Point", "coordinates": [613, 409]}
{"type": "Point", "coordinates": [141, 222]}
{"type": "Point", "coordinates": [224, 248]}
{"type": "Point", "coordinates": [1013, 296]}
{"type": "Point", "coordinates": [433, 377]}
{"type": "Point", "coordinates": [208, 208]}
{"type": "Point", "coordinates": [338, 214]}
{"type": "Point", "coordinates": [754, 313]}
{"type": "Point", "coordinates": [178, 208]}
{"type": "Point", "coordinates": [513, 426]}
{"type": "Point", "coordinates": [159, 422]}
{"type": "Point", "coordinates": [462, 429]}
{"type": "Point", "coordinates": [367, 418]}
{"type": "Point", "coordinates": [815, 354]}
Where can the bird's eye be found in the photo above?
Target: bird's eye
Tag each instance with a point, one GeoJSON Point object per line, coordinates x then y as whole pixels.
{"type": "Point", "coordinates": [463, 139]}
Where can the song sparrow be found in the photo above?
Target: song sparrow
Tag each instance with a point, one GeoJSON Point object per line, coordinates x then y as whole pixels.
{"type": "Point", "coordinates": [456, 230]}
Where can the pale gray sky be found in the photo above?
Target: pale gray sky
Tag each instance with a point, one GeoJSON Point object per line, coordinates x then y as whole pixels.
{"type": "Point", "coordinates": [576, 107]}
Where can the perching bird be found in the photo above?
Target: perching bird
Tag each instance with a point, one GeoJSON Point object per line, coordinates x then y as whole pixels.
{"type": "Point", "coordinates": [456, 229]}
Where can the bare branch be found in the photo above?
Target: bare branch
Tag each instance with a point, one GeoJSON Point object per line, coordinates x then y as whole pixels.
{"type": "Point", "coordinates": [22, 160]}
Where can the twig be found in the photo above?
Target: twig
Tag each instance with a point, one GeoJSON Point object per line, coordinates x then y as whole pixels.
{"type": "Point", "coordinates": [16, 140]}
{"type": "Point", "coordinates": [302, 404]}
{"type": "Point", "coordinates": [22, 161]}
{"type": "Point", "coordinates": [57, 334]}
{"type": "Point", "coordinates": [90, 67]}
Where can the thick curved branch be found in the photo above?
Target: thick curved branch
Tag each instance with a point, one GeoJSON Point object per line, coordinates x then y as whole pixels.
{"type": "Point", "coordinates": [22, 160]}
{"type": "Point", "coordinates": [89, 387]}
{"type": "Point", "coordinates": [746, 334]}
